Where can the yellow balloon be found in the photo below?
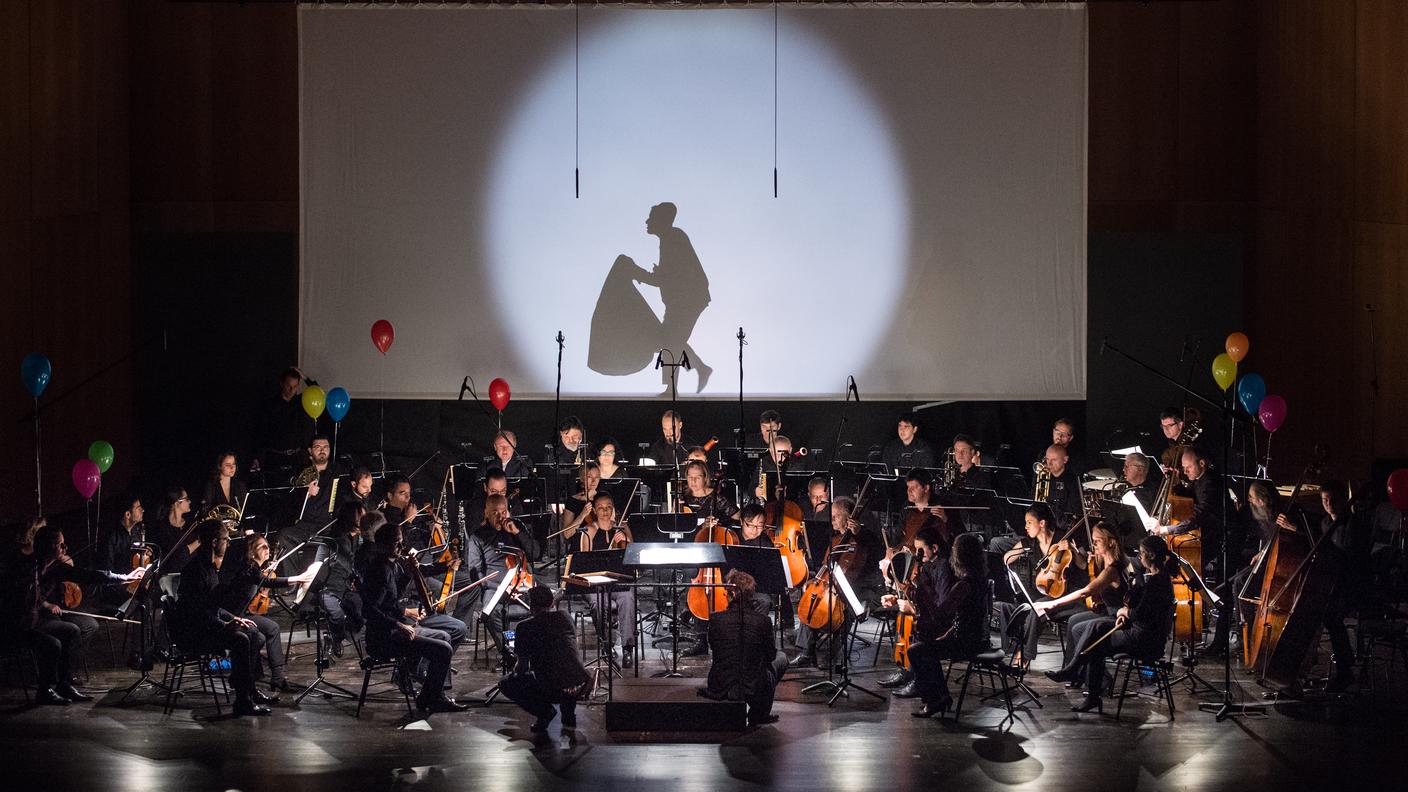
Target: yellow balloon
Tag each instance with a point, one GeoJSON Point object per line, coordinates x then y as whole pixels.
{"type": "Point", "coordinates": [1224, 370]}
{"type": "Point", "coordinates": [313, 401]}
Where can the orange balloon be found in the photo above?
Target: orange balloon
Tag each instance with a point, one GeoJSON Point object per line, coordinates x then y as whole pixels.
{"type": "Point", "coordinates": [1237, 346]}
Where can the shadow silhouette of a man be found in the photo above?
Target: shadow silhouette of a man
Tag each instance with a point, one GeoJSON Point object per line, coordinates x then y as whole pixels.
{"type": "Point", "coordinates": [684, 288]}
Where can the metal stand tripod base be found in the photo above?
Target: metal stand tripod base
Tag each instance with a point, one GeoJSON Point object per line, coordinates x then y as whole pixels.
{"type": "Point", "coordinates": [1195, 682]}
{"type": "Point", "coordinates": [1227, 709]}
{"type": "Point", "coordinates": [838, 689]}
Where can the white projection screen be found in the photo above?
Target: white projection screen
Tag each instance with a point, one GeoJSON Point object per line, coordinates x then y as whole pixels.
{"type": "Point", "coordinates": [485, 177]}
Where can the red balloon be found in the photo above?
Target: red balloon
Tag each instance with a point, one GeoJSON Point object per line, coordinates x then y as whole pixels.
{"type": "Point", "coordinates": [498, 394]}
{"type": "Point", "coordinates": [383, 334]}
{"type": "Point", "coordinates": [1398, 489]}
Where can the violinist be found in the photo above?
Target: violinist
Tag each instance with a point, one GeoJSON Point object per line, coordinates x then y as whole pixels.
{"type": "Point", "coordinates": [579, 507]}
{"type": "Point", "coordinates": [119, 545]}
{"type": "Point", "coordinates": [600, 531]}
{"type": "Point", "coordinates": [340, 598]}
{"type": "Point", "coordinates": [200, 623]}
{"type": "Point", "coordinates": [32, 570]}
{"type": "Point", "coordinates": [908, 449]}
{"type": "Point", "coordinates": [1107, 591]}
{"type": "Point", "coordinates": [397, 631]}
{"type": "Point", "coordinates": [241, 584]}
{"type": "Point", "coordinates": [949, 603]}
{"type": "Point", "coordinates": [498, 537]}
{"type": "Point", "coordinates": [857, 552]}
{"type": "Point", "coordinates": [222, 488]}
{"type": "Point", "coordinates": [1035, 559]}
{"type": "Point", "coordinates": [1140, 627]}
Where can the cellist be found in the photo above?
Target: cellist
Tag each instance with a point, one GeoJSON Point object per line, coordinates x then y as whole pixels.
{"type": "Point", "coordinates": [860, 562]}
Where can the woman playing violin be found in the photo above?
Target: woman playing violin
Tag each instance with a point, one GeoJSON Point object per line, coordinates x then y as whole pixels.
{"type": "Point", "coordinates": [1035, 554]}
{"type": "Point", "coordinates": [579, 507]}
{"type": "Point", "coordinates": [242, 587]}
{"type": "Point", "coordinates": [1107, 591]}
{"type": "Point", "coordinates": [601, 532]}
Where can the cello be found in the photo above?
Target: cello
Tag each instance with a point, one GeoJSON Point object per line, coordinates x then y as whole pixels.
{"type": "Point", "coordinates": [819, 608]}
{"type": "Point", "coordinates": [1297, 583]}
{"type": "Point", "coordinates": [707, 594]}
{"type": "Point", "coordinates": [788, 533]}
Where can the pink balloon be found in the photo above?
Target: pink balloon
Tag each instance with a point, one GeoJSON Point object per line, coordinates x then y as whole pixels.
{"type": "Point", "coordinates": [1398, 489]}
{"type": "Point", "coordinates": [86, 477]}
{"type": "Point", "coordinates": [1272, 412]}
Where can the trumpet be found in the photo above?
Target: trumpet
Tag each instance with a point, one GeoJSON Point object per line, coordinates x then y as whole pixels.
{"type": "Point", "coordinates": [1041, 488]}
{"type": "Point", "coordinates": [950, 470]}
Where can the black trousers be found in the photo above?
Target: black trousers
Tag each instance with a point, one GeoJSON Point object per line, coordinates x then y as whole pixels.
{"type": "Point", "coordinates": [55, 643]}
{"type": "Point", "coordinates": [273, 644]}
{"type": "Point", "coordinates": [344, 613]}
{"type": "Point", "coordinates": [760, 703]}
{"type": "Point", "coordinates": [926, 661]}
{"type": "Point", "coordinates": [430, 648]}
{"type": "Point", "coordinates": [528, 692]}
{"type": "Point", "coordinates": [243, 644]}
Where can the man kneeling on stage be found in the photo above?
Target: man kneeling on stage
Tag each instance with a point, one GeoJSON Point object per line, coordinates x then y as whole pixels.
{"type": "Point", "coordinates": [747, 664]}
{"type": "Point", "coordinates": [548, 670]}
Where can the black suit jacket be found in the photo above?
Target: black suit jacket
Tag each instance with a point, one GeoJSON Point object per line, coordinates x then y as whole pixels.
{"type": "Point", "coordinates": [742, 643]}
{"type": "Point", "coordinates": [545, 646]}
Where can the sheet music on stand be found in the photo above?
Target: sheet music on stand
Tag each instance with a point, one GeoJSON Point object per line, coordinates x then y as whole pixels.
{"type": "Point", "coordinates": [493, 601]}
{"type": "Point", "coordinates": [315, 568]}
{"type": "Point", "coordinates": [596, 568]}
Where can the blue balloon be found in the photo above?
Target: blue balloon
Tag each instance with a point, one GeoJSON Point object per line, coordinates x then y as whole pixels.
{"type": "Point", "coordinates": [35, 372]}
{"type": "Point", "coordinates": [338, 402]}
{"type": "Point", "coordinates": [1250, 391]}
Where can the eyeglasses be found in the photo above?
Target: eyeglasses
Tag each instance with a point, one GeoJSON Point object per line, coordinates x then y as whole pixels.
{"type": "Point", "coordinates": [607, 453]}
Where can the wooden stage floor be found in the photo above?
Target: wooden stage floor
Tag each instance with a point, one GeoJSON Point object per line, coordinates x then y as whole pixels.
{"type": "Point", "coordinates": [1349, 743]}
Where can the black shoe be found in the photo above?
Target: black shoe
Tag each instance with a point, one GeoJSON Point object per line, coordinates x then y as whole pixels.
{"type": "Point", "coordinates": [260, 697]}
{"type": "Point", "coordinates": [280, 685]}
{"type": "Point", "coordinates": [908, 691]}
{"type": "Point", "coordinates": [71, 693]}
{"type": "Point", "coordinates": [49, 695]}
{"type": "Point", "coordinates": [246, 706]}
{"type": "Point", "coordinates": [628, 658]}
{"type": "Point", "coordinates": [802, 660]}
{"type": "Point", "coordinates": [898, 679]}
{"type": "Point", "coordinates": [1091, 703]}
{"type": "Point", "coordinates": [442, 705]}
{"type": "Point", "coordinates": [540, 725]}
{"type": "Point", "coordinates": [699, 649]}
{"type": "Point", "coordinates": [1062, 675]}
{"type": "Point", "coordinates": [337, 648]}
{"type": "Point", "coordinates": [930, 710]}
{"type": "Point", "coordinates": [763, 720]}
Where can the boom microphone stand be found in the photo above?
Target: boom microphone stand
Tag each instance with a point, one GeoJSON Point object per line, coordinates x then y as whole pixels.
{"type": "Point", "coordinates": [1225, 708]}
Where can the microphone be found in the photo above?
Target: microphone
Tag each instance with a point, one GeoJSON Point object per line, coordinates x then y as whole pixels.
{"type": "Point", "coordinates": [852, 389]}
{"type": "Point", "coordinates": [684, 360]}
{"type": "Point", "coordinates": [1104, 342]}
{"type": "Point", "coordinates": [1183, 354]}
{"type": "Point", "coordinates": [464, 388]}
{"type": "Point", "coordinates": [659, 358]}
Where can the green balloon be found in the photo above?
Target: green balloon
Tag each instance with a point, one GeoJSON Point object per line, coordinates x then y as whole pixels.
{"type": "Point", "coordinates": [100, 452]}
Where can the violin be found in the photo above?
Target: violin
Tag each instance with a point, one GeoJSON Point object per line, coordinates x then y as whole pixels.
{"type": "Point", "coordinates": [410, 567]}
{"type": "Point", "coordinates": [904, 622]}
{"type": "Point", "coordinates": [141, 559]}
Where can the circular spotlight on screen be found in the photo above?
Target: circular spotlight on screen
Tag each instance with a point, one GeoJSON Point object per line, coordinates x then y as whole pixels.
{"type": "Point", "coordinates": [676, 239]}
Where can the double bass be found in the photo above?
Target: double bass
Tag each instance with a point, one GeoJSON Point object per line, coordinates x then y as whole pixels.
{"type": "Point", "coordinates": [1298, 580]}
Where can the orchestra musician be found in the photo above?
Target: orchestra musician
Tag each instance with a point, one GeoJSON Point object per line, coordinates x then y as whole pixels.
{"type": "Point", "coordinates": [775, 468]}
{"type": "Point", "coordinates": [818, 502]}
{"type": "Point", "coordinates": [241, 583]}
{"type": "Point", "coordinates": [670, 448]}
{"type": "Point", "coordinates": [1064, 494]}
{"type": "Point", "coordinates": [358, 490]}
{"type": "Point", "coordinates": [949, 603]}
{"type": "Point", "coordinates": [571, 447]}
{"type": "Point", "coordinates": [1108, 590]}
{"type": "Point", "coordinates": [1211, 502]}
{"type": "Point", "coordinates": [548, 670]}
{"type": "Point", "coordinates": [747, 665]}
{"type": "Point", "coordinates": [32, 570]}
{"type": "Point", "coordinates": [1136, 475]}
{"type": "Point", "coordinates": [608, 459]}
{"type": "Point", "coordinates": [908, 449]}
{"type": "Point", "coordinates": [199, 622]}
{"type": "Point", "coordinates": [752, 532]}
{"type": "Point", "coordinates": [508, 458]}
{"type": "Point", "coordinates": [861, 564]}
{"type": "Point", "coordinates": [967, 457]}
{"type": "Point", "coordinates": [769, 427]}
{"type": "Point", "coordinates": [314, 502]}
{"type": "Point", "coordinates": [396, 631]}
{"type": "Point", "coordinates": [169, 527]}
{"type": "Point", "coordinates": [600, 532]}
{"type": "Point", "coordinates": [702, 498]}
{"type": "Point", "coordinates": [1141, 626]}
{"type": "Point", "coordinates": [923, 513]}
{"type": "Point", "coordinates": [927, 553]}
{"type": "Point", "coordinates": [579, 506]}
{"type": "Point", "coordinates": [1031, 553]}
{"type": "Point", "coordinates": [1336, 531]}
{"type": "Point", "coordinates": [1063, 434]}
{"type": "Point", "coordinates": [498, 537]}
{"type": "Point", "coordinates": [117, 549]}
{"type": "Point", "coordinates": [222, 488]}
{"type": "Point", "coordinates": [340, 598]}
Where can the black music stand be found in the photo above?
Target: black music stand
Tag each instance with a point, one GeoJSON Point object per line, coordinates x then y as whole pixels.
{"type": "Point", "coordinates": [665, 527]}
{"type": "Point", "coordinates": [769, 570]}
{"type": "Point", "coordinates": [597, 571]}
{"type": "Point", "coordinates": [673, 556]}
{"type": "Point", "coordinates": [318, 615]}
{"type": "Point", "coordinates": [847, 598]}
